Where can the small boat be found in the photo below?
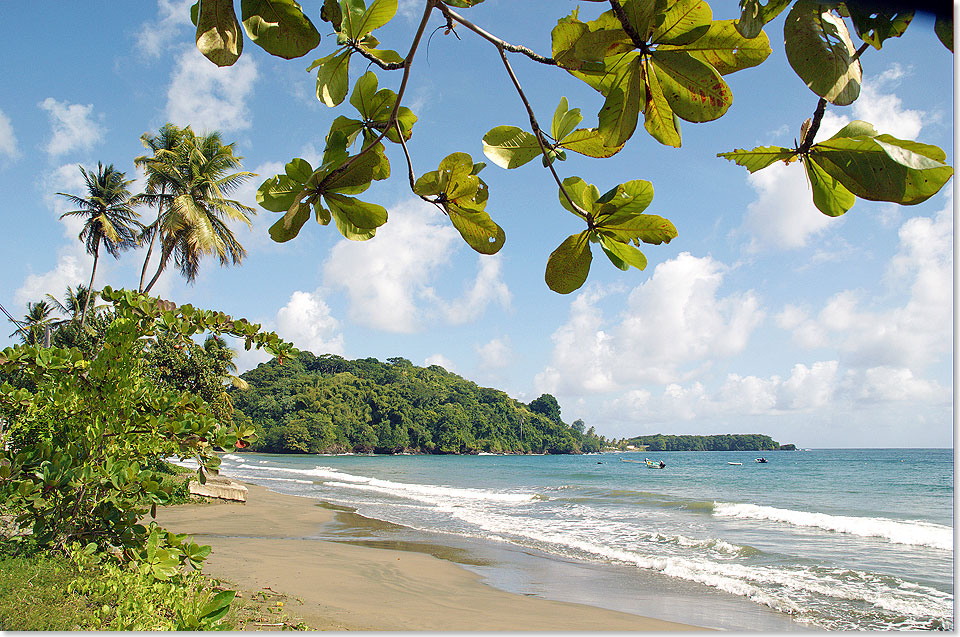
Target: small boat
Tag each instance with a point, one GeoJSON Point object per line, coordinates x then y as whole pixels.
{"type": "Point", "coordinates": [625, 460]}
{"type": "Point", "coordinates": [762, 460]}
{"type": "Point", "coordinates": [654, 465]}
{"type": "Point", "coordinates": [736, 463]}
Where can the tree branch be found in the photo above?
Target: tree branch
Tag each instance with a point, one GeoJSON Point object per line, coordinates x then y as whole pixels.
{"type": "Point", "coordinates": [497, 42]}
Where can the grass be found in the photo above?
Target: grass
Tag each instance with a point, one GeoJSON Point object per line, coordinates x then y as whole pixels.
{"type": "Point", "coordinates": [34, 594]}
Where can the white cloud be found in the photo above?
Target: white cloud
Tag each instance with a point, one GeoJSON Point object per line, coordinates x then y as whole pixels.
{"type": "Point", "coordinates": [889, 384]}
{"type": "Point", "coordinates": [72, 268]}
{"type": "Point", "coordinates": [808, 387]}
{"type": "Point", "coordinates": [207, 97]}
{"type": "Point", "coordinates": [72, 127]}
{"type": "Point", "coordinates": [671, 324]}
{"type": "Point", "coordinates": [496, 354]}
{"type": "Point", "coordinates": [8, 140]}
{"type": "Point", "coordinates": [913, 335]}
{"type": "Point", "coordinates": [306, 322]}
{"type": "Point", "coordinates": [441, 360]}
{"type": "Point", "coordinates": [173, 18]}
{"type": "Point", "coordinates": [390, 279]}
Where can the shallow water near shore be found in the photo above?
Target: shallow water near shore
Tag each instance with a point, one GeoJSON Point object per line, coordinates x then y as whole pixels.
{"type": "Point", "coordinates": [824, 539]}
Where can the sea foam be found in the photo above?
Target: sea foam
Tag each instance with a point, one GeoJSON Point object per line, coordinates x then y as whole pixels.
{"type": "Point", "coordinates": [896, 531]}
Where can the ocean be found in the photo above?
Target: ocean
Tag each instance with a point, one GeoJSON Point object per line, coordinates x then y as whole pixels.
{"type": "Point", "coordinates": [831, 539]}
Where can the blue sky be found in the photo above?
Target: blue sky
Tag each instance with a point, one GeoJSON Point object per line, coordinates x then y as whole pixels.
{"type": "Point", "coordinates": [762, 316]}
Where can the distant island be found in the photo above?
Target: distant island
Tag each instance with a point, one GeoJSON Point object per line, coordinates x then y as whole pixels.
{"type": "Point", "coordinates": [328, 404]}
{"type": "Point", "coordinates": [718, 442]}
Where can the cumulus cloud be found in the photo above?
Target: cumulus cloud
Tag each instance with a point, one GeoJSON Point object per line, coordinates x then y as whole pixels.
{"type": "Point", "coordinates": [306, 322]}
{"type": "Point", "coordinates": [441, 360]}
{"type": "Point", "coordinates": [173, 18]}
{"type": "Point", "coordinates": [390, 280]}
{"type": "Point", "coordinates": [783, 214]}
{"type": "Point", "coordinates": [72, 268]}
{"type": "Point", "coordinates": [495, 354]}
{"type": "Point", "coordinates": [672, 326]}
{"type": "Point", "coordinates": [8, 140]}
{"type": "Point", "coordinates": [72, 127]}
{"type": "Point", "coordinates": [208, 97]}
{"type": "Point", "coordinates": [913, 335]}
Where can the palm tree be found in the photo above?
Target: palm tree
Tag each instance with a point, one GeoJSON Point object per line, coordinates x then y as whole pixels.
{"type": "Point", "coordinates": [110, 217]}
{"type": "Point", "coordinates": [190, 185]}
{"type": "Point", "coordinates": [36, 322]}
{"type": "Point", "coordinates": [74, 300]}
{"type": "Point", "coordinates": [161, 175]}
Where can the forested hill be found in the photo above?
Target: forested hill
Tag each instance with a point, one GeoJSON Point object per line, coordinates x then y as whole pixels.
{"type": "Point", "coordinates": [719, 442]}
{"type": "Point", "coordinates": [328, 404]}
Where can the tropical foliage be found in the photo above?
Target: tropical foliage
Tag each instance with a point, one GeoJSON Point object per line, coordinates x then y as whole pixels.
{"type": "Point", "coordinates": [663, 59]}
{"type": "Point", "coordinates": [328, 404]}
{"type": "Point", "coordinates": [719, 442]}
{"type": "Point", "coordinates": [84, 434]}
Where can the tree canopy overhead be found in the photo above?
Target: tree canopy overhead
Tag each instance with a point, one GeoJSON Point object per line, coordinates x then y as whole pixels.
{"type": "Point", "coordinates": [663, 59]}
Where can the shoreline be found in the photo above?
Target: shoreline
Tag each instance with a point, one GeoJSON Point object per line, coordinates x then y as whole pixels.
{"type": "Point", "coordinates": [271, 542]}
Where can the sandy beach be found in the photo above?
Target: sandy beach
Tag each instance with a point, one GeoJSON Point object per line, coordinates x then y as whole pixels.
{"type": "Point", "coordinates": [268, 542]}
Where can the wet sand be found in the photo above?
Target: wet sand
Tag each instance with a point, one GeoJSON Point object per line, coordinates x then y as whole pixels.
{"type": "Point", "coordinates": [269, 542]}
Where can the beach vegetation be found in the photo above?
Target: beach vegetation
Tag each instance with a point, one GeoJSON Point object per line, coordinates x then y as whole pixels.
{"type": "Point", "coordinates": [329, 404]}
{"type": "Point", "coordinates": [717, 442]}
{"type": "Point", "coordinates": [86, 431]}
{"type": "Point", "coordinates": [662, 61]}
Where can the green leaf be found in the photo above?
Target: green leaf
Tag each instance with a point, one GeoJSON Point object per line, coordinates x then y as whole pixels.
{"type": "Point", "coordinates": [510, 146]}
{"type": "Point", "coordinates": [279, 27]}
{"type": "Point", "coordinates": [624, 253]}
{"type": "Point", "coordinates": [874, 27]}
{"type": "Point", "coordinates": [856, 128]}
{"type": "Point", "coordinates": [278, 193]}
{"type": "Point", "coordinates": [299, 170]}
{"type": "Point", "coordinates": [820, 50]}
{"type": "Point", "coordinates": [589, 142]}
{"type": "Point", "coordinates": [658, 118]}
{"type": "Point", "coordinates": [463, 4]}
{"type": "Point", "coordinates": [569, 265]}
{"type": "Point", "coordinates": [218, 33]}
{"type": "Point", "coordinates": [378, 14]}
{"type": "Point", "coordinates": [350, 128]}
{"type": "Point", "coordinates": [333, 78]}
{"type": "Point", "coordinates": [581, 193]}
{"type": "Point", "coordinates": [618, 117]}
{"type": "Point", "coordinates": [652, 229]}
{"type": "Point", "coordinates": [218, 606]}
{"type": "Point", "coordinates": [829, 195]}
{"type": "Point", "coordinates": [287, 227]}
{"type": "Point", "coordinates": [564, 120]}
{"type": "Point", "coordinates": [693, 89]}
{"type": "Point", "coordinates": [754, 15]}
{"type": "Point", "coordinates": [760, 157]}
{"type": "Point", "coordinates": [360, 214]}
{"type": "Point", "coordinates": [943, 27]}
{"type": "Point", "coordinates": [477, 228]}
{"type": "Point", "coordinates": [682, 23]}
{"type": "Point", "coordinates": [331, 12]}
{"type": "Point", "coordinates": [723, 48]}
{"type": "Point", "coordinates": [882, 168]}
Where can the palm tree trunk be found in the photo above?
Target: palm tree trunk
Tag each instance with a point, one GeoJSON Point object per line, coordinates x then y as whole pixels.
{"type": "Point", "coordinates": [163, 262]}
{"type": "Point", "coordinates": [153, 239]}
{"type": "Point", "coordinates": [93, 273]}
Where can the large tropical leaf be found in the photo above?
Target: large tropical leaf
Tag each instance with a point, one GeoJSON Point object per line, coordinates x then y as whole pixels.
{"type": "Point", "coordinates": [723, 48]}
{"type": "Point", "coordinates": [820, 50]}
{"type": "Point", "coordinates": [510, 146]}
{"type": "Point", "coordinates": [279, 27]}
{"type": "Point", "coordinates": [569, 265]}
{"type": "Point", "coordinates": [754, 15]}
{"type": "Point", "coordinates": [829, 195]}
{"type": "Point", "coordinates": [760, 157]}
{"type": "Point", "coordinates": [333, 77]}
{"type": "Point", "coordinates": [219, 37]}
{"type": "Point", "coordinates": [693, 88]}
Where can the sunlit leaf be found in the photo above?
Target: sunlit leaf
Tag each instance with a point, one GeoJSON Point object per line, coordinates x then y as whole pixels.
{"type": "Point", "coordinates": [658, 118]}
{"type": "Point", "coordinates": [829, 195]}
{"type": "Point", "coordinates": [510, 146]}
{"type": "Point", "coordinates": [760, 157]}
{"type": "Point", "coordinates": [361, 214]}
{"type": "Point", "coordinates": [569, 265]}
{"type": "Point", "coordinates": [618, 117]}
{"type": "Point", "coordinates": [288, 226]}
{"type": "Point", "coordinates": [589, 142]}
{"type": "Point", "coordinates": [279, 27]}
{"type": "Point", "coordinates": [333, 78]}
{"type": "Point", "coordinates": [683, 22]}
{"type": "Point", "coordinates": [723, 48]}
{"type": "Point", "coordinates": [694, 89]}
{"type": "Point", "coordinates": [219, 37]}
{"type": "Point", "coordinates": [874, 27]}
{"type": "Point", "coordinates": [820, 50]}
{"type": "Point", "coordinates": [625, 253]}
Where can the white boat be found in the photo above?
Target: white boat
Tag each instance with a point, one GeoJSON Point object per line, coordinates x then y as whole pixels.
{"type": "Point", "coordinates": [736, 463]}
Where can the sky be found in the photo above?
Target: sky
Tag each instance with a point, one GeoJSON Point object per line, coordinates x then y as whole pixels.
{"type": "Point", "coordinates": [762, 316]}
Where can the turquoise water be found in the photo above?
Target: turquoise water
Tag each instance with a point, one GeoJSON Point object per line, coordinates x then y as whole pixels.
{"type": "Point", "coordinates": [844, 539]}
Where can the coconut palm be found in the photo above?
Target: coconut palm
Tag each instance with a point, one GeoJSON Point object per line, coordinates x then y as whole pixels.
{"type": "Point", "coordinates": [111, 221]}
{"type": "Point", "coordinates": [190, 186]}
{"type": "Point", "coordinates": [74, 300]}
{"type": "Point", "coordinates": [161, 175]}
{"type": "Point", "coordinates": [35, 324]}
